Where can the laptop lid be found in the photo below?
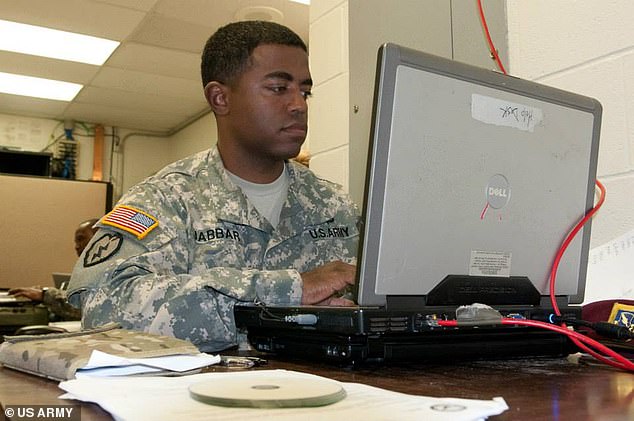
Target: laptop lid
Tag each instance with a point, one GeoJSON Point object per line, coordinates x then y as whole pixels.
{"type": "Point", "coordinates": [60, 280]}
{"type": "Point", "coordinates": [473, 174]}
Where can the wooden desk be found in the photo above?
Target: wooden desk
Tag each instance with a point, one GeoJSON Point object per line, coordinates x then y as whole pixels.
{"type": "Point", "coordinates": [534, 389]}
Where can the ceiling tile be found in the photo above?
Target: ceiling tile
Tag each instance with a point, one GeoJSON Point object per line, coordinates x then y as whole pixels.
{"type": "Point", "coordinates": [175, 34]}
{"type": "Point", "coordinates": [132, 81]}
{"type": "Point", "coordinates": [80, 16]}
{"type": "Point", "coordinates": [28, 65]}
{"type": "Point", "coordinates": [207, 13]}
{"type": "Point", "coordinates": [135, 101]}
{"type": "Point", "coordinates": [114, 116]}
{"type": "Point", "coordinates": [156, 60]}
{"type": "Point", "coordinates": [144, 5]}
{"type": "Point", "coordinates": [34, 107]}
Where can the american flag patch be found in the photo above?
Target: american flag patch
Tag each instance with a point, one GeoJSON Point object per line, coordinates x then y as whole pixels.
{"type": "Point", "coordinates": [132, 220]}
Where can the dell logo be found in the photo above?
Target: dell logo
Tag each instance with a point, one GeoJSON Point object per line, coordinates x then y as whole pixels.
{"type": "Point", "coordinates": [498, 191]}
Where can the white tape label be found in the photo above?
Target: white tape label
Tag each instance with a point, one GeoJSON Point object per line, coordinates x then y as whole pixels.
{"type": "Point", "coordinates": [505, 113]}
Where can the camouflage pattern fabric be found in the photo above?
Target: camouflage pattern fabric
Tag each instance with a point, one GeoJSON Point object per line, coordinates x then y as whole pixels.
{"type": "Point", "coordinates": [57, 302]}
{"type": "Point", "coordinates": [210, 249]}
{"type": "Point", "coordinates": [58, 356]}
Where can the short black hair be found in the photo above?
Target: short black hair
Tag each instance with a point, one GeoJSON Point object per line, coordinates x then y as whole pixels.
{"type": "Point", "coordinates": [227, 52]}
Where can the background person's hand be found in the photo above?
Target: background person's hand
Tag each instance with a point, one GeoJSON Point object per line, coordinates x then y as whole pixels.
{"type": "Point", "coordinates": [34, 294]}
{"type": "Point", "coordinates": [324, 285]}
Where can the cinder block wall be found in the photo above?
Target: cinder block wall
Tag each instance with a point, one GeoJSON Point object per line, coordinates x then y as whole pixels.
{"type": "Point", "coordinates": [587, 47]}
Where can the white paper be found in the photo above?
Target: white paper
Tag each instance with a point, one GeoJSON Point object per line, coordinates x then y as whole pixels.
{"type": "Point", "coordinates": [69, 326]}
{"type": "Point", "coordinates": [103, 364]}
{"type": "Point", "coordinates": [611, 270]}
{"type": "Point", "coordinates": [167, 398]}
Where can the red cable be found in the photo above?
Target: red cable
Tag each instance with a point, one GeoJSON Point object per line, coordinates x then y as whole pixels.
{"type": "Point", "coordinates": [619, 360]}
{"type": "Point", "coordinates": [489, 40]}
{"type": "Point", "coordinates": [553, 273]}
{"type": "Point", "coordinates": [566, 243]}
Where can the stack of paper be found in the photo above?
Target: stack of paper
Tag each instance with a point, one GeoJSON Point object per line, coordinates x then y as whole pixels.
{"type": "Point", "coordinates": [167, 398]}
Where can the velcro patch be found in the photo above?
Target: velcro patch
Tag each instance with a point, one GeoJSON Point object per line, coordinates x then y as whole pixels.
{"type": "Point", "coordinates": [102, 249]}
{"type": "Point", "coordinates": [129, 219]}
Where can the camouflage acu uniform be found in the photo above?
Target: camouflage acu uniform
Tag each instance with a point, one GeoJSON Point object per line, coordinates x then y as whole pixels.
{"type": "Point", "coordinates": [57, 303]}
{"type": "Point", "coordinates": [211, 249]}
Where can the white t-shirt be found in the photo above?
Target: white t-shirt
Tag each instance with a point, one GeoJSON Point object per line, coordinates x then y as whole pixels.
{"type": "Point", "coordinates": [269, 198]}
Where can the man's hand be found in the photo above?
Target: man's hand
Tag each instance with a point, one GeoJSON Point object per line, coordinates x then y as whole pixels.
{"type": "Point", "coordinates": [34, 294]}
{"type": "Point", "coordinates": [323, 285]}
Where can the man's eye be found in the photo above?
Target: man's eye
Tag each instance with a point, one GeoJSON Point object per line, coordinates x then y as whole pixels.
{"type": "Point", "coordinates": [307, 94]}
{"type": "Point", "coordinates": [278, 89]}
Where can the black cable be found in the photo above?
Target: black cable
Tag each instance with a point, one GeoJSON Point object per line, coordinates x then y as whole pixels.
{"type": "Point", "coordinates": [57, 139]}
{"type": "Point", "coordinates": [605, 329]}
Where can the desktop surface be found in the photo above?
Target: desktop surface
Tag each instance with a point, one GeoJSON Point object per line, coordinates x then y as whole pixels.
{"type": "Point", "coordinates": [532, 388]}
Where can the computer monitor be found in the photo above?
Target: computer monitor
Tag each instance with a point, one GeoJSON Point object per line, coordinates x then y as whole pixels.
{"type": "Point", "coordinates": [25, 163]}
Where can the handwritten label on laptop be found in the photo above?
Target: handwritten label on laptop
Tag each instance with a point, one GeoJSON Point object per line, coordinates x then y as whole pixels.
{"type": "Point", "coordinates": [490, 263]}
{"type": "Point", "coordinates": [505, 113]}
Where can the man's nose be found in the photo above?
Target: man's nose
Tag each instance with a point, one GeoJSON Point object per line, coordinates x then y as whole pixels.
{"type": "Point", "coordinates": [298, 102]}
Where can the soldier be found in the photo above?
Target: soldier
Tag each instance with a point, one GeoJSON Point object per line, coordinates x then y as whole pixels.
{"type": "Point", "coordinates": [53, 298]}
{"type": "Point", "coordinates": [230, 224]}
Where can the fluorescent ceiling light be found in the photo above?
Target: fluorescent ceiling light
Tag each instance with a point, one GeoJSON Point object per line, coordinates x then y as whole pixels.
{"type": "Point", "coordinates": [302, 1]}
{"type": "Point", "coordinates": [38, 87]}
{"type": "Point", "coordinates": [45, 42]}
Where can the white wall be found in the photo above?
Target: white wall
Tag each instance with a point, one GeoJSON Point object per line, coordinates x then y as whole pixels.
{"type": "Point", "coordinates": [137, 157]}
{"type": "Point", "coordinates": [143, 155]}
{"type": "Point", "coordinates": [198, 136]}
{"type": "Point", "coordinates": [587, 47]}
{"type": "Point", "coordinates": [328, 117]}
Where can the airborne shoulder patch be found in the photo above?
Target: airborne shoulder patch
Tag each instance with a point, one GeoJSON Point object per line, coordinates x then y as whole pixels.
{"type": "Point", "coordinates": [129, 219]}
{"type": "Point", "coordinates": [102, 249]}
{"type": "Point", "coordinates": [622, 315]}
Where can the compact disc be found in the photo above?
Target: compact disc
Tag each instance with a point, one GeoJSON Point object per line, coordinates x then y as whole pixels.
{"type": "Point", "coordinates": [268, 392]}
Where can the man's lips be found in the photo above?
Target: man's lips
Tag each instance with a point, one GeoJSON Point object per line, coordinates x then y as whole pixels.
{"type": "Point", "coordinates": [296, 129]}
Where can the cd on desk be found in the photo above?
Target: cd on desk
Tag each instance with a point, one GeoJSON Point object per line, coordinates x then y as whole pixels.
{"type": "Point", "coordinates": [268, 392]}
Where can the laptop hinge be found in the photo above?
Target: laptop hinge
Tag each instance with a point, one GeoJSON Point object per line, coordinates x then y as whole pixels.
{"type": "Point", "coordinates": [456, 290]}
{"type": "Point", "coordinates": [562, 301]}
{"type": "Point", "coordinates": [405, 302]}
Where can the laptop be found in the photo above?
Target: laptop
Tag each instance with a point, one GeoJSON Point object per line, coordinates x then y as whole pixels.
{"type": "Point", "coordinates": [60, 280]}
{"type": "Point", "coordinates": [474, 179]}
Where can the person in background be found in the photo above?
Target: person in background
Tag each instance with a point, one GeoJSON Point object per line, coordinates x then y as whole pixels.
{"type": "Point", "coordinates": [303, 158]}
{"type": "Point", "coordinates": [240, 222]}
{"type": "Point", "coordinates": [53, 298]}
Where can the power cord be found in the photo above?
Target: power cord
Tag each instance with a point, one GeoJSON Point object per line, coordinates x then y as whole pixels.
{"type": "Point", "coordinates": [605, 329]}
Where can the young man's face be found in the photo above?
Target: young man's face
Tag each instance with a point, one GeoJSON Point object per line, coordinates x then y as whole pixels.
{"type": "Point", "coordinates": [268, 110]}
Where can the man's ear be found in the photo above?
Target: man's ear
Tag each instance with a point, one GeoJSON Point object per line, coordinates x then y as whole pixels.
{"type": "Point", "coordinates": [217, 96]}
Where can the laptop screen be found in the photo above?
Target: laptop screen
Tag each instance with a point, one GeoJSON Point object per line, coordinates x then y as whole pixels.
{"type": "Point", "coordinates": [475, 174]}
{"type": "Point", "coordinates": [61, 280]}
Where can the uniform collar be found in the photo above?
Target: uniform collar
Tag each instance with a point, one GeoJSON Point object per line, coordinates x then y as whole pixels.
{"type": "Point", "coordinates": [299, 211]}
{"type": "Point", "coordinates": [231, 204]}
